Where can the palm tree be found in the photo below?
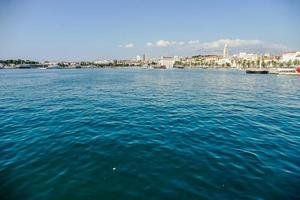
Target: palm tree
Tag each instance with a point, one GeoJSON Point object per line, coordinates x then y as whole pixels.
{"type": "Point", "coordinates": [248, 63]}
{"type": "Point", "coordinates": [257, 62]}
{"type": "Point", "coordinates": [263, 64]}
{"type": "Point", "coordinates": [296, 62]}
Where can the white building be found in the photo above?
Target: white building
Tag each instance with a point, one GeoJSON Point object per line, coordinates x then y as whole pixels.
{"type": "Point", "coordinates": [223, 61]}
{"type": "Point", "coordinates": [138, 58]}
{"type": "Point", "coordinates": [248, 56]}
{"type": "Point", "coordinates": [50, 63]}
{"type": "Point", "coordinates": [290, 56]}
{"type": "Point", "coordinates": [167, 62]}
{"type": "Point", "coordinates": [225, 51]}
{"type": "Point", "coordinates": [101, 62]}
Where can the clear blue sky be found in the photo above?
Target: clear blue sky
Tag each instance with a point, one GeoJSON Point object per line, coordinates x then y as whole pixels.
{"type": "Point", "coordinates": [96, 29]}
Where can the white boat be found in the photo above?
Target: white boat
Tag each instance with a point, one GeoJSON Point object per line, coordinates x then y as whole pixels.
{"type": "Point", "coordinates": [286, 70]}
{"type": "Point", "coordinates": [289, 71]}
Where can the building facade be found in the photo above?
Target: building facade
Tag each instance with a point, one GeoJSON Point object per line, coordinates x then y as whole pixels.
{"type": "Point", "coordinates": [167, 62]}
{"type": "Point", "coordinates": [290, 56]}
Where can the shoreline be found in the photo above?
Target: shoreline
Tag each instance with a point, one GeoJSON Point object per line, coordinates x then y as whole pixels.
{"type": "Point", "coordinates": [140, 67]}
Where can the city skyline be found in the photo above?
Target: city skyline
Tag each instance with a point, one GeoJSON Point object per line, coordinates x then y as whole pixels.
{"type": "Point", "coordinates": [66, 30]}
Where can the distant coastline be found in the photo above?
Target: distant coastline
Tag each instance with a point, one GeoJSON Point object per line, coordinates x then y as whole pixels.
{"type": "Point", "coordinates": [241, 61]}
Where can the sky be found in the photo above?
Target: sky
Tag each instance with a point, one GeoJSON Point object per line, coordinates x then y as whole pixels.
{"type": "Point", "coordinates": [121, 29]}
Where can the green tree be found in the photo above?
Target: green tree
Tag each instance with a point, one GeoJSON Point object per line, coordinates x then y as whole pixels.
{"type": "Point", "coordinates": [295, 62]}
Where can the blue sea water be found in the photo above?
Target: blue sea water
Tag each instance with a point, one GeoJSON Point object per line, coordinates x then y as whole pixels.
{"type": "Point", "coordinates": [148, 134]}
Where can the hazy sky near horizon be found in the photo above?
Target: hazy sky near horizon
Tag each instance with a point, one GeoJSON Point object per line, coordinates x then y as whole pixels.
{"type": "Point", "coordinates": [97, 29]}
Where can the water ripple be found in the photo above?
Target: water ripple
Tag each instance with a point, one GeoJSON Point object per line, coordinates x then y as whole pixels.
{"type": "Point", "coordinates": [148, 134]}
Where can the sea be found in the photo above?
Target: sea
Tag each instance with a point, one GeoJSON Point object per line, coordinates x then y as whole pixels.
{"type": "Point", "coordinates": [128, 133]}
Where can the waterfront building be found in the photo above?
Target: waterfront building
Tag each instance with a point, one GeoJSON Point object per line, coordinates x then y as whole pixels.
{"type": "Point", "coordinates": [167, 62]}
{"type": "Point", "coordinates": [290, 56]}
{"type": "Point", "coordinates": [211, 58]}
{"type": "Point", "coordinates": [224, 61]}
{"type": "Point", "coordinates": [270, 60]}
{"type": "Point", "coordinates": [247, 56]}
{"type": "Point", "coordinates": [102, 62]}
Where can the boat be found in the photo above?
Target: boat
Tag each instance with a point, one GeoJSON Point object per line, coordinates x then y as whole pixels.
{"type": "Point", "coordinates": [179, 66]}
{"type": "Point", "coordinates": [54, 67]}
{"type": "Point", "coordinates": [160, 67]}
{"type": "Point", "coordinates": [289, 71]}
{"type": "Point", "coordinates": [259, 70]}
{"type": "Point", "coordinates": [273, 71]}
{"type": "Point", "coordinates": [24, 66]}
{"type": "Point", "coordinates": [286, 70]}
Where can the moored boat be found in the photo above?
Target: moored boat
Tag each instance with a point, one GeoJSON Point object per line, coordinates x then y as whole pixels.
{"type": "Point", "coordinates": [179, 66]}
{"type": "Point", "coordinates": [289, 71]}
{"type": "Point", "coordinates": [160, 67]}
{"type": "Point", "coordinates": [259, 70]}
{"type": "Point", "coordinates": [286, 70]}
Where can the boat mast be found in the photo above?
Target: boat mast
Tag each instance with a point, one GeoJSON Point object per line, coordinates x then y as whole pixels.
{"type": "Point", "coordinates": [260, 61]}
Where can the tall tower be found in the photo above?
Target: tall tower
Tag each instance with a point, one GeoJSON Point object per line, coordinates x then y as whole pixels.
{"type": "Point", "coordinates": [144, 57]}
{"type": "Point", "coordinates": [225, 51]}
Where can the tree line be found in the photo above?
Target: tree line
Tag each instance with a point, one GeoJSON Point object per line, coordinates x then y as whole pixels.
{"type": "Point", "coordinates": [18, 62]}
